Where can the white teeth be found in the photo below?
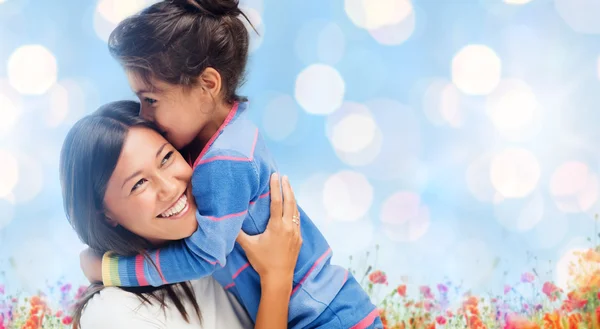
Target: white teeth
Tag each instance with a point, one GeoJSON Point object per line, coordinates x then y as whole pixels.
{"type": "Point", "coordinates": [177, 207]}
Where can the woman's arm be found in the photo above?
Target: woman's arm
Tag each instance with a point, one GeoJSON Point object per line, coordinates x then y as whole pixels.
{"type": "Point", "coordinates": [273, 254]}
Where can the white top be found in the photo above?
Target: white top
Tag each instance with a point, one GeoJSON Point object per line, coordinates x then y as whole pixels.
{"type": "Point", "coordinates": [118, 309]}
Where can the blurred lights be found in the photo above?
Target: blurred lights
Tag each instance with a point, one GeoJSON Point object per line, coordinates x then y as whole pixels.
{"type": "Point", "coordinates": [580, 15]}
{"type": "Point", "coordinates": [512, 106]}
{"type": "Point", "coordinates": [514, 172]}
{"type": "Point", "coordinates": [517, 2]}
{"type": "Point", "coordinates": [347, 196]}
{"type": "Point", "coordinates": [574, 187]}
{"type": "Point", "coordinates": [320, 89]}
{"type": "Point", "coordinates": [32, 70]}
{"type": "Point", "coordinates": [354, 134]}
{"type": "Point", "coordinates": [390, 22]}
{"type": "Point", "coordinates": [476, 70]}
{"type": "Point", "coordinates": [520, 215]}
{"type": "Point", "coordinates": [9, 114]}
{"type": "Point", "coordinates": [404, 216]}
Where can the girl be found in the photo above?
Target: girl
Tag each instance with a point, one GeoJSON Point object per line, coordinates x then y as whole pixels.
{"type": "Point", "coordinates": [185, 60]}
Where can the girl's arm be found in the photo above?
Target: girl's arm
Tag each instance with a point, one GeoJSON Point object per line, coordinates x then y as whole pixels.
{"type": "Point", "coordinates": [273, 254]}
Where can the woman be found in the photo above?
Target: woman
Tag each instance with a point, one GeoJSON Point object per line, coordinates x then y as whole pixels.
{"type": "Point", "coordinates": [105, 158]}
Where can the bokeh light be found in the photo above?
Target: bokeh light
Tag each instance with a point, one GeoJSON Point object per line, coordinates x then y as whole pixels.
{"type": "Point", "coordinates": [442, 103]}
{"type": "Point", "coordinates": [580, 15]}
{"type": "Point", "coordinates": [390, 22]}
{"type": "Point", "coordinates": [512, 106]}
{"type": "Point", "coordinates": [349, 238]}
{"type": "Point", "coordinates": [564, 272]}
{"type": "Point", "coordinates": [110, 12]}
{"type": "Point", "coordinates": [32, 69]}
{"type": "Point", "coordinates": [404, 216]}
{"type": "Point", "coordinates": [515, 172]}
{"type": "Point", "coordinates": [354, 134]}
{"type": "Point", "coordinates": [321, 42]}
{"type": "Point", "coordinates": [400, 150]}
{"type": "Point", "coordinates": [9, 173]}
{"type": "Point", "coordinates": [574, 187]}
{"type": "Point", "coordinates": [309, 194]}
{"type": "Point", "coordinates": [319, 89]}
{"type": "Point", "coordinates": [476, 70]}
{"type": "Point", "coordinates": [9, 114]}
{"type": "Point", "coordinates": [280, 117]}
{"type": "Point", "coordinates": [59, 106]}
{"type": "Point", "coordinates": [347, 195]}
{"type": "Point", "coordinates": [520, 215]}
{"type": "Point", "coordinates": [517, 2]}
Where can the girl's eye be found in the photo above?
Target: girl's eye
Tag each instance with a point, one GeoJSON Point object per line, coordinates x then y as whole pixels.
{"type": "Point", "coordinates": [138, 184]}
{"type": "Point", "coordinates": [149, 100]}
{"type": "Point", "coordinates": [166, 158]}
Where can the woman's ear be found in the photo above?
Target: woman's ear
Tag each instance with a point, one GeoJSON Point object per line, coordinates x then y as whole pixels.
{"type": "Point", "coordinates": [210, 81]}
{"type": "Point", "coordinates": [110, 220]}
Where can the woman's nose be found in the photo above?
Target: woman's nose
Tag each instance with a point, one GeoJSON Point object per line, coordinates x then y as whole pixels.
{"type": "Point", "coordinates": [168, 188]}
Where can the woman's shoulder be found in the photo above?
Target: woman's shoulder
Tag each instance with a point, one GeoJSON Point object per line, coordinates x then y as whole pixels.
{"type": "Point", "coordinates": [116, 308]}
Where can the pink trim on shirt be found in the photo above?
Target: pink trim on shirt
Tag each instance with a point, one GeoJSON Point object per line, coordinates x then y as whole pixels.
{"type": "Point", "coordinates": [229, 285]}
{"type": "Point", "coordinates": [223, 157]}
{"type": "Point", "coordinates": [217, 219]}
{"type": "Point", "coordinates": [311, 269]}
{"type": "Point", "coordinates": [228, 119]}
{"type": "Point", "coordinates": [261, 197]}
{"type": "Point", "coordinates": [367, 321]}
{"type": "Point", "coordinates": [245, 266]}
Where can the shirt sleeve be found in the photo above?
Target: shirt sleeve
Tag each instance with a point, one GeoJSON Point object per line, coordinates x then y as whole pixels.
{"type": "Point", "coordinates": [222, 186]}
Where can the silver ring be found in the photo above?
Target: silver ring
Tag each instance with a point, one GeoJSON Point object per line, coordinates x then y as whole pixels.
{"type": "Point", "coordinates": [295, 221]}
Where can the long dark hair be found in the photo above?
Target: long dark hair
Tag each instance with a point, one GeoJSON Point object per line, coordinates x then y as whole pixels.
{"type": "Point", "coordinates": [176, 40]}
{"type": "Point", "coordinates": [88, 158]}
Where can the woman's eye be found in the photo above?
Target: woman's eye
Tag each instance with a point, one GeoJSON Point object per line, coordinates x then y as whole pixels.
{"type": "Point", "coordinates": [166, 158]}
{"type": "Point", "coordinates": [138, 184]}
{"type": "Point", "coordinates": [149, 100]}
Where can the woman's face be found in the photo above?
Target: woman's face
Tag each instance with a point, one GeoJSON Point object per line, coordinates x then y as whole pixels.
{"type": "Point", "coordinates": [149, 191]}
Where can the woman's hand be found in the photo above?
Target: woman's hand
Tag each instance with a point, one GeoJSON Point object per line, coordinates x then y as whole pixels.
{"type": "Point", "coordinates": [273, 254]}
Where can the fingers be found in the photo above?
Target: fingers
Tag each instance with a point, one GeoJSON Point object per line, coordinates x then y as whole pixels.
{"type": "Point", "coordinates": [290, 210]}
{"type": "Point", "coordinates": [276, 197]}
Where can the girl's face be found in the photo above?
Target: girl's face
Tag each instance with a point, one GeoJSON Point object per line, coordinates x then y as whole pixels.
{"type": "Point", "coordinates": [149, 191]}
{"type": "Point", "coordinates": [183, 113]}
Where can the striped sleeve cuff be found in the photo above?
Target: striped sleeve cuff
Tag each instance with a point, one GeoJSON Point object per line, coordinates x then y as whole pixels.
{"type": "Point", "coordinates": [110, 269]}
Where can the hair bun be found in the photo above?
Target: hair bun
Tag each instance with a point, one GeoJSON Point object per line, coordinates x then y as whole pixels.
{"type": "Point", "coordinates": [216, 8]}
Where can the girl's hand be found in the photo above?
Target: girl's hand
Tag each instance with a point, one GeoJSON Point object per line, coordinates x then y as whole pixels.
{"type": "Point", "coordinates": [273, 254]}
